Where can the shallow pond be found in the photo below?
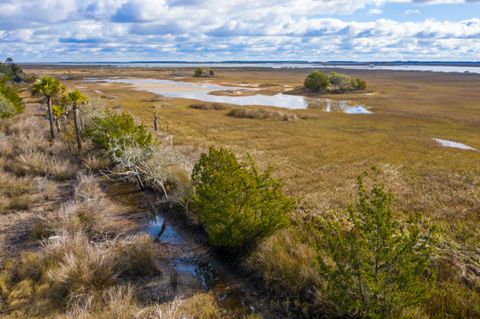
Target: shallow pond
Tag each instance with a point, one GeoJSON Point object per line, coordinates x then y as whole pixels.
{"type": "Point", "coordinates": [169, 234]}
{"type": "Point", "coordinates": [202, 92]}
{"type": "Point", "coordinates": [344, 106]}
{"type": "Point", "coordinates": [447, 143]}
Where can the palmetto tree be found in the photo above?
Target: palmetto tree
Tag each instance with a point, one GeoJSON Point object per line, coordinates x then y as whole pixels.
{"type": "Point", "coordinates": [76, 98]}
{"type": "Point", "coordinates": [49, 88]}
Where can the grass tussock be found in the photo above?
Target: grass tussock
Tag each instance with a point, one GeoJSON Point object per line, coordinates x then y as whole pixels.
{"type": "Point", "coordinates": [261, 114]}
{"type": "Point", "coordinates": [71, 270]}
{"type": "Point", "coordinates": [209, 106]}
{"type": "Point", "coordinates": [287, 263]}
{"type": "Point", "coordinates": [95, 162]}
{"type": "Point", "coordinates": [134, 256]}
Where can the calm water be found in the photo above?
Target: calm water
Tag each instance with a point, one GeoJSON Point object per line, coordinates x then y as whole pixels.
{"type": "Point", "coordinates": [447, 143]}
{"type": "Point", "coordinates": [202, 92]}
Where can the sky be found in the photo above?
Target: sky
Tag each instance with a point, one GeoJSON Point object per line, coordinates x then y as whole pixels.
{"type": "Point", "coordinates": [219, 30]}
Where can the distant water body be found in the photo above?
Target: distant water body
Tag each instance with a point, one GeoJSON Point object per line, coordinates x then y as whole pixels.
{"type": "Point", "coordinates": [467, 67]}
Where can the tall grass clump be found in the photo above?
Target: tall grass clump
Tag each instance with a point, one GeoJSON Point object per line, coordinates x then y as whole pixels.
{"type": "Point", "coordinates": [261, 114]}
{"type": "Point", "coordinates": [208, 106]}
{"type": "Point", "coordinates": [287, 263]}
{"type": "Point", "coordinates": [235, 201]}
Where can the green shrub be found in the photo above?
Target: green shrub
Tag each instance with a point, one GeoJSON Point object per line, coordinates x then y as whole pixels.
{"type": "Point", "coordinates": [360, 84]}
{"type": "Point", "coordinates": [198, 72]}
{"type": "Point", "coordinates": [341, 82]}
{"type": "Point", "coordinates": [317, 81]}
{"type": "Point", "coordinates": [118, 130]}
{"type": "Point", "coordinates": [10, 102]}
{"type": "Point", "coordinates": [374, 265]}
{"type": "Point", "coordinates": [236, 202]}
{"type": "Point", "coordinates": [7, 109]}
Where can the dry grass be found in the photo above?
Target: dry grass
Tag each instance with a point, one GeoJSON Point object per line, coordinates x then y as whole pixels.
{"type": "Point", "coordinates": [69, 269]}
{"type": "Point", "coordinates": [116, 303]}
{"type": "Point", "coordinates": [87, 188]}
{"type": "Point", "coordinates": [134, 256]}
{"type": "Point", "coordinates": [78, 217]}
{"type": "Point", "coordinates": [95, 162]}
{"type": "Point", "coordinates": [15, 192]}
{"type": "Point", "coordinates": [287, 264]}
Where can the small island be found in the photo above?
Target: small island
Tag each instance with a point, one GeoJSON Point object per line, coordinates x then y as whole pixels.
{"type": "Point", "coordinates": [320, 82]}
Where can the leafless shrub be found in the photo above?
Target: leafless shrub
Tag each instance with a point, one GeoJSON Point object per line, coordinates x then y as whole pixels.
{"type": "Point", "coordinates": [162, 168]}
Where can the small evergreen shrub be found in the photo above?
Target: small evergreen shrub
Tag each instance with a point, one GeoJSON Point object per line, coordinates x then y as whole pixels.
{"type": "Point", "coordinates": [317, 81]}
{"type": "Point", "coordinates": [235, 201]}
{"type": "Point", "coordinates": [374, 265]}
{"type": "Point", "coordinates": [10, 102]}
{"type": "Point", "coordinates": [118, 130]}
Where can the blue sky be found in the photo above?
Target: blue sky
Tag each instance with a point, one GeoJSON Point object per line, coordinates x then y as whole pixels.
{"type": "Point", "coordinates": [215, 30]}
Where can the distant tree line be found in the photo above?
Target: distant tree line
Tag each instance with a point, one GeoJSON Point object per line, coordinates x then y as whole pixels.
{"type": "Point", "coordinates": [199, 72]}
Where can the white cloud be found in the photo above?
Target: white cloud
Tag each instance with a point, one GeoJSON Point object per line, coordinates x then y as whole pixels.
{"type": "Point", "coordinates": [217, 29]}
{"type": "Point", "coordinates": [375, 11]}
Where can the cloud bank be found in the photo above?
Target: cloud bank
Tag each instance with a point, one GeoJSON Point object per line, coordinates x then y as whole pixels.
{"type": "Point", "coordinates": [88, 30]}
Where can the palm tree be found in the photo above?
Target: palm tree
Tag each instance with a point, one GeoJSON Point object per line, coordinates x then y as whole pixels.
{"type": "Point", "coordinates": [49, 88]}
{"type": "Point", "coordinates": [76, 98]}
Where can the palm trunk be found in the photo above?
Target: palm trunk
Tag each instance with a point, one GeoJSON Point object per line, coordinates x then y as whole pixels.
{"type": "Point", "coordinates": [77, 129]}
{"type": "Point", "coordinates": [155, 121]}
{"type": "Point", "coordinates": [50, 117]}
{"type": "Point", "coordinates": [57, 124]}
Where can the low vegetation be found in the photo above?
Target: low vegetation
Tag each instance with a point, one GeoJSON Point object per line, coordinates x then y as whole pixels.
{"type": "Point", "coordinates": [336, 83]}
{"type": "Point", "coordinates": [208, 106]}
{"type": "Point", "coordinates": [199, 72]}
{"type": "Point", "coordinates": [261, 114]}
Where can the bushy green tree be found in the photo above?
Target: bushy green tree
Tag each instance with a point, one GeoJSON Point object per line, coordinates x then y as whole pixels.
{"type": "Point", "coordinates": [360, 84]}
{"type": "Point", "coordinates": [198, 72]}
{"type": "Point", "coordinates": [341, 82]}
{"type": "Point", "coordinates": [118, 130]}
{"type": "Point", "coordinates": [317, 81]}
{"type": "Point", "coordinates": [374, 265]}
{"type": "Point", "coordinates": [10, 102]}
{"type": "Point", "coordinates": [235, 202]}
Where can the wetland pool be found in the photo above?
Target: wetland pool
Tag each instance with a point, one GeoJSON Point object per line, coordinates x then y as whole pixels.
{"type": "Point", "coordinates": [203, 92]}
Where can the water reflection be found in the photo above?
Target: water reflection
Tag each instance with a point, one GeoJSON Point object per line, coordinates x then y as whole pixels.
{"type": "Point", "coordinates": [329, 105]}
{"type": "Point", "coordinates": [201, 91]}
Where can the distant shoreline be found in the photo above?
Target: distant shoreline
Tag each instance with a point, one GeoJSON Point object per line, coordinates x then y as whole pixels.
{"type": "Point", "coordinates": [424, 66]}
